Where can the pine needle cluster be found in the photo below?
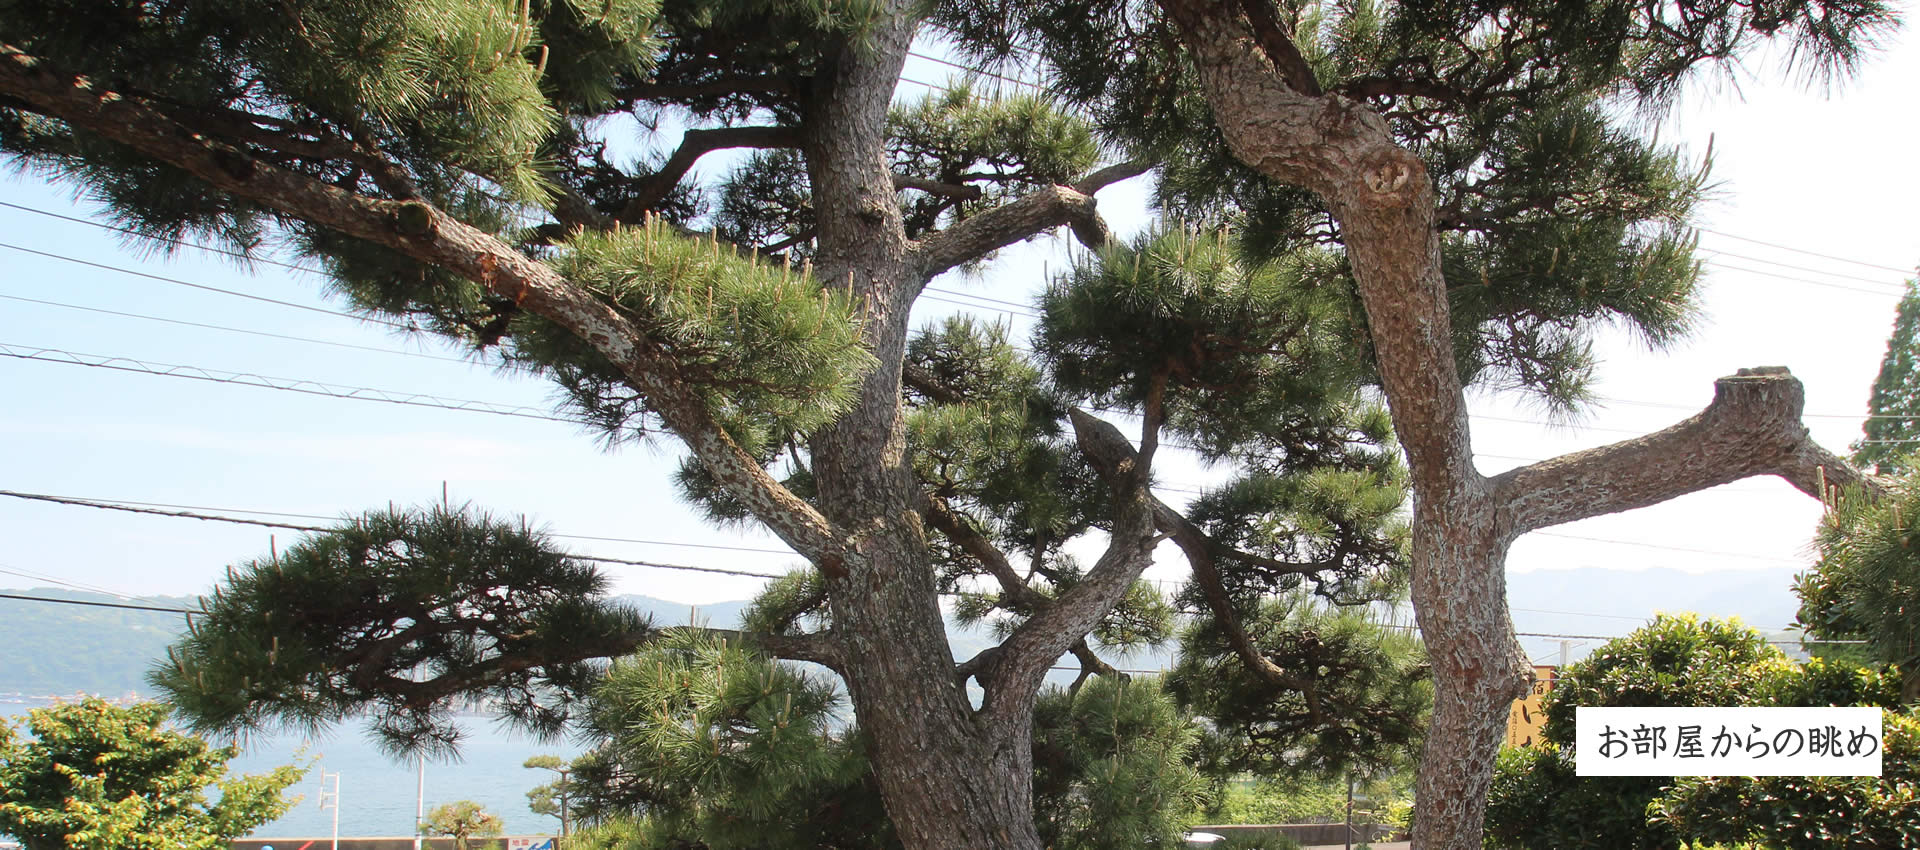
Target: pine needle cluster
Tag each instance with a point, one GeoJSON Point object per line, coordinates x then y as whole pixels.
{"type": "Point", "coordinates": [400, 611]}
{"type": "Point", "coordinates": [1355, 697]}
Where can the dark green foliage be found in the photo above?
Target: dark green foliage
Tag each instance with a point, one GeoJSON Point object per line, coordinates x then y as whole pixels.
{"type": "Point", "coordinates": [1558, 215]}
{"type": "Point", "coordinates": [1866, 585]}
{"type": "Point", "coordinates": [1537, 802]}
{"type": "Point", "coordinates": [1180, 306]}
{"type": "Point", "coordinates": [1808, 812]}
{"type": "Point", "coordinates": [400, 612]}
{"type": "Point", "coordinates": [775, 350]}
{"type": "Point", "coordinates": [1675, 661]}
{"type": "Point", "coordinates": [706, 743]}
{"type": "Point", "coordinates": [1110, 766]}
{"type": "Point", "coordinates": [1893, 413]}
{"type": "Point", "coordinates": [1355, 700]}
{"type": "Point", "coordinates": [95, 776]}
{"type": "Point", "coordinates": [1005, 147]}
{"type": "Point", "coordinates": [709, 742]}
{"type": "Point", "coordinates": [1251, 361]}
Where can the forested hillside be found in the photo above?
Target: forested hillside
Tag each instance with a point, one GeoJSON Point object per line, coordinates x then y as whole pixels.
{"type": "Point", "coordinates": [65, 649]}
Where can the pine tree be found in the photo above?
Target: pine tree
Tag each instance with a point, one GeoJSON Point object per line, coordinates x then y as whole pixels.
{"type": "Point", "coordinates": [1418, 196]}
{"type": "Point", "coordinates": [1893, 412]}
{"type": "Point", "coordinates": [461, 821]}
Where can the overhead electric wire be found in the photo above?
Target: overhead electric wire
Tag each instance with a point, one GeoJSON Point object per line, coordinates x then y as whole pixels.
{"type": "Point", "coordinates": [976, 71]}
{"type": "Point", "coordinates": [1750, 259]}
{"type": "Point", "coordinates": [1882, 292]}
{"type": "Point", "coordinates": [130, 508]}
{"type": "Point", "coordinates": [1806, 252]}
{"type": "Point", "coordinates": [92, 604]}
{"type": "Point", "coordinates": [269, 334]}
{"type": "Point", "coordinates": [247, 379]}
{"type": "Point", "coordinates": [201, 286]}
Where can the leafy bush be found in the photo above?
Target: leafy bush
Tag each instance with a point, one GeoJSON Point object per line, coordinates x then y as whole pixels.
{"type": "Point", "coordinates": [1538, 803]}
{"type": "Point", "coordinates": [1808, 812]}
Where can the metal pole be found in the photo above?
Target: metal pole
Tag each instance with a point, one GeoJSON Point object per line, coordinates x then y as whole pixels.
{"type": "Point", "coordinates": [1349, 811]}
{"type": "Point", "coordinates": [420, 803]}
{"type": "Point", "coordinates": [331, 801]}
{"type": "Point", "coordinates": [563, 804]}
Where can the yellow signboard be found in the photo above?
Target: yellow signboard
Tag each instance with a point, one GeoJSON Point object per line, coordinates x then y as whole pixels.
{"type": "Point", "coordinates": [1524, 718]}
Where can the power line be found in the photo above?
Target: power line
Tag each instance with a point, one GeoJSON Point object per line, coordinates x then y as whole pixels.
{"type": "Point", "coordinates": [245, 379]}
{"type": "Point", "coordinates": [238, 255]}
{"type": "Point", "coordinates": [130, 508]}
{"type": "Point", "coordinates": [247, 331]}
{"type": "Point", "coordinates": [1881, 292]}
{"type": "Point", "coordinates": [1874, 281]}
{"type": "Point", "coordinates": [1806, 252]}
{"type": "Point", "coordinates": [89, 603]}
{"type": "Point", "coordinates": [201, 286]}
{"type": "Point", "coordinates": [1688, 549]}
{"type": "Point", "coordinates": [976, 71]}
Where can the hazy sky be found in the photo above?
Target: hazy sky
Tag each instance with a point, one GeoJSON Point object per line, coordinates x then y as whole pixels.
{"type": "Point", "coordinates": [1798, 171]}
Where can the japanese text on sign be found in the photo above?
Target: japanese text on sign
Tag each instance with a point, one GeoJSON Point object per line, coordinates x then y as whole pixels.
{"type": "Point", "coordinates": [1726, 741]}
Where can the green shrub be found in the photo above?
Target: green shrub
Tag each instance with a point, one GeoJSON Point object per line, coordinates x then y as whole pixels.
{"type": "Point", "coordinates": [1808, 812]}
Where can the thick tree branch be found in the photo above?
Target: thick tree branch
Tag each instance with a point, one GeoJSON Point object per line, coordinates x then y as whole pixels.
{"type": "Point", "coordinates": [1024, 218]}
{"type": "Point", "coordinates": [1278, 44]}
{"type": "Point", "coordinates": [655, 187]}
{"type": "Point", "coordinates": [1029, 216]}
{"type": "Point", "coordinates": [1091, 665]}
{"type": "Point", "coordinates": [944, 519]}
{"type": "Point", "coordinates": [1025, 656]}
{"type": "Point", "coordinates": [934, 187]}
{"type": "Point", "coordinates": [1752, 427]}
{"type": "Point", "coordinates": [429, 235]}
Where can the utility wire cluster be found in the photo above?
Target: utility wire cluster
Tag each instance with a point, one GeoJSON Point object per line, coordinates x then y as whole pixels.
{"type": "Point", "coordinates": [182, 514]}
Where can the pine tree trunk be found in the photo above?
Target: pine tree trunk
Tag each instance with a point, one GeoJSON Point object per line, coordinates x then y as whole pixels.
{"type": "Point", "coordinates": [948, 781]}
{"type": "Point", "coordinates": [1460, 597]}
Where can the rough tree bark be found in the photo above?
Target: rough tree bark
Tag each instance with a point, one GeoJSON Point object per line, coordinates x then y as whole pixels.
{"type": "Point", "coordinates": [1463, 522]}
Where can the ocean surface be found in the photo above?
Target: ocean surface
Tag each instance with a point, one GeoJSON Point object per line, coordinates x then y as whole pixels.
{"type": "Point", "coordinates": [377, 794]}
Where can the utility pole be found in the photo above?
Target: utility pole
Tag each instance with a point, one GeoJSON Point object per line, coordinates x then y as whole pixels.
{"type": "Point", "coordinates": [331, 800]}
{"type": "Point", "coordinates": [420, 801]}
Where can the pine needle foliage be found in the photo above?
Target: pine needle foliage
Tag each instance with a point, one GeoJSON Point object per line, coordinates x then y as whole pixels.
{"type": "Point", "coordinates": [1185, 306]}
{"type": "Point", "coordinates": [768, 345]}
{"type": "Point", "coordinates": [1005, 146]}
{"type": "Point", "coordinates": [708, 742]}
{"type": "Point", "coordinates": [1866, 584]}
{"type": "Point", "coordinates": [402, 611]}
{"type": "Point", "coordinates": [1523, 113]}
{"type": "Point", "coordinates": [94, 776]}
{"type": "Point", "coordinates": [1112, 766]}
{"type": "Point", "coordinates": [1357, 701]}
{"type": "Point", "coordinates": [1893, 411]}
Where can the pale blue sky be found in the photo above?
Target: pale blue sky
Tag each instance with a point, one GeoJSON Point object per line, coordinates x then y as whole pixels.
{"type": "Point", "coordinates": [1825, 173]}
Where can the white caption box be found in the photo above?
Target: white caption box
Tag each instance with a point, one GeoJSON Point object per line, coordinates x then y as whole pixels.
{"type": "Point", "coordinates": [1727, 741]}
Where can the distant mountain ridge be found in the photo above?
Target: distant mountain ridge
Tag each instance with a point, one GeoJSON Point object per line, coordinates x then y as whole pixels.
{"type": "Point", "coordinates": [61, 650]}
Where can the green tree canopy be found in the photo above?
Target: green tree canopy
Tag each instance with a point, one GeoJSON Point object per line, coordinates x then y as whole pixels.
{"type": "Point", "coordinates": [93, 776]}
{"type": "Point", "coordinates": [1459, 180]}
{"type": "Point", "coordinates": [1866, 584]}
{"type": "Point", "coordinates": [462, 820]}
{"type": "Point", "coordinates": [1893, 411]}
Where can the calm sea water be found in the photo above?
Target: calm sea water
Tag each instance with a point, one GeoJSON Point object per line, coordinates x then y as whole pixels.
{"type": "Point", "coordinates": [377, 793]}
